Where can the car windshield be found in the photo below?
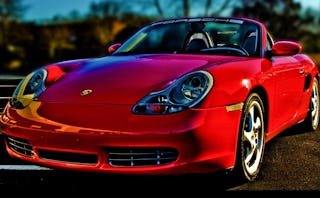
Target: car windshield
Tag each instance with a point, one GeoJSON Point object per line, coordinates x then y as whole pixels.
{"type": "Point", "coordinates": [225, 37]}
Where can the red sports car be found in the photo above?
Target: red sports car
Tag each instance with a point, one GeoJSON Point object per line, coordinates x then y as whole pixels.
{"type": "Point", "coordinates": [189, 95]}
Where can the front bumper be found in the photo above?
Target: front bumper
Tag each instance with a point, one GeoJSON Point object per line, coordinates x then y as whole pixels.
{"type": "Point", "coordinates": [203, 141]}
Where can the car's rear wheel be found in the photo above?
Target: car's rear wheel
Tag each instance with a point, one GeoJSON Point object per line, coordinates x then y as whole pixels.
{"type": "Point", "coordinates": [312, 120]}
{"type": "Point", "coordinates": [251, 141]}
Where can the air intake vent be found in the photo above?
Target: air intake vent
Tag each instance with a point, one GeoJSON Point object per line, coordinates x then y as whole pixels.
{"type": "Point", "coordinates": [135, 157]}
{"type": "Point", "coordinates": [20, 146]}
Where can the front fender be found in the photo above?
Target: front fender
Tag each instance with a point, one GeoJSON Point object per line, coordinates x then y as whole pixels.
{"type": "Point", "coordinates": [234, 81]}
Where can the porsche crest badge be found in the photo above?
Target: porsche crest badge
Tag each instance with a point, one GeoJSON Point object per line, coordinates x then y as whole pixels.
{"type": "Point", "coordinates": [86, 92]}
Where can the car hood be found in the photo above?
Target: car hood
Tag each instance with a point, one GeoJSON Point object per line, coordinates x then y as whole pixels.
{"type": "Point", "coordinates": [124, 80]}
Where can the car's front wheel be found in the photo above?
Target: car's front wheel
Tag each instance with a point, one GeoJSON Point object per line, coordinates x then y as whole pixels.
{"type": "Point", "coordinates": [312, 120]}
{"type": "Point", "coordinates": [251, 141]}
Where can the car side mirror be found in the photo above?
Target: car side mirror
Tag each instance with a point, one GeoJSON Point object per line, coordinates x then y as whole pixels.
{"type": "Point", "coordinates": [113, 47]}
{"type": "Point", "coordinates": [286, 48]}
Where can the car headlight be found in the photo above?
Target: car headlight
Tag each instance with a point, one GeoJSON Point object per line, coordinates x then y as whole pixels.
{"type": "Point", "coordinates": [29, 89]}
{"type": "Point", "coordinates": [185, 93]}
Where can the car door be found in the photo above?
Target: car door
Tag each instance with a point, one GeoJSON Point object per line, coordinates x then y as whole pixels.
{"type": "Point", "coordinates": [289, 85]}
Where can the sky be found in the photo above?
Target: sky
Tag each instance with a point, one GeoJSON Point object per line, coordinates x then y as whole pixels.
{"type": "Point", "coordinates": [47, 9]}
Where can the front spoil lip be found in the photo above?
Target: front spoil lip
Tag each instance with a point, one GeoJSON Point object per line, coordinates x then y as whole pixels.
{"type": "Point", "coordinates": [51, 152]}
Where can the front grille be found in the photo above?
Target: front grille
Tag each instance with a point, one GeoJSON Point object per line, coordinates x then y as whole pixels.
{"type": "Point", "coordinates": [77, 158]}
{"type": "Point", "coordinates": [20, 146]}
{"type": "Point", "coordinates": [8, 84]}
{"type": "Point", "coordinates": [135, 157]}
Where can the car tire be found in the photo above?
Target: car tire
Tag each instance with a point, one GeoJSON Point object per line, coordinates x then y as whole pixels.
{"type": "Point", "coordinates": [312, 120]}
{"type": "Point", "coordinates": [251, 142]}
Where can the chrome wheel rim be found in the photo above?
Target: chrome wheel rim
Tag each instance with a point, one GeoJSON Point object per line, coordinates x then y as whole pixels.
{"type": "Point", "coordinates": [253, 138]}
{"type": "Point", "coordinates": [315, 105]}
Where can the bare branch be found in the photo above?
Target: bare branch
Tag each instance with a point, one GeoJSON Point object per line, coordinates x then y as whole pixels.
{"type": "Point", "coordinates": [225, 5]}
{"type": "Point", "coordinates": [207, 8]}
{"type": "Point", "coordinates": [158, 7]}
{"type": "Point", "coordinates": [186, 8]}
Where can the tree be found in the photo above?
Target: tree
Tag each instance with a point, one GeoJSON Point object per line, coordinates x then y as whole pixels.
{"type": "Point", "coordinates": [105, 9]}
{"type": "Point", "coordinates": [75, 15]}
{"type": "Point", "coordinates": [186, 8]}
{"type": "Point", "coordinates": [10, 13]}
{"type": "Point", "coordinates": [10, 10]}
{"type": "Point", "coordinates": [161, 8]}
{"type": "Point", "coordinates": [282, 17]}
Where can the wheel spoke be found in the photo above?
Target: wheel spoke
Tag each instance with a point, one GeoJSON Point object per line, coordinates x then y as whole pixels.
{"type": "Point", "coordinates": [249, 133]}
{"type": "Point", "coordinates": [250, 155]}
{"type": "Point", "coordinates": [256, 155]}
{"type": "Point", "coordinates": [252, 137]}
{"type": "Point", "coordinates": [257, 124]}
{"type": "Point", "coordinates": [315, 104]}
{"type": "Point", "coordinates": [248, 137]}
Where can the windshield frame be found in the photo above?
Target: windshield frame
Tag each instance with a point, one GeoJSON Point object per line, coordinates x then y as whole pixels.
{"type": "Point", "coordinates": [138, 37]}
